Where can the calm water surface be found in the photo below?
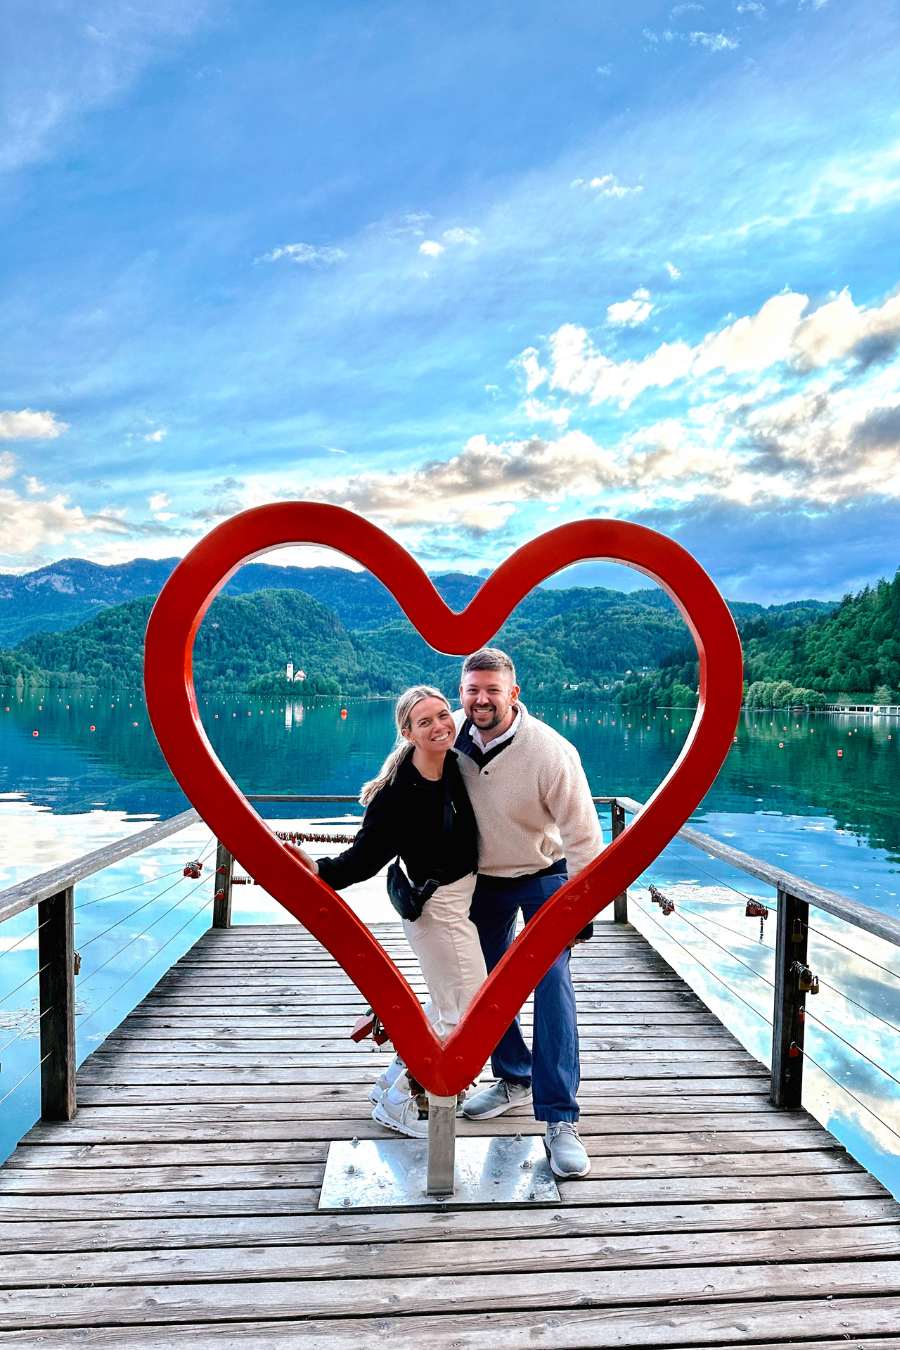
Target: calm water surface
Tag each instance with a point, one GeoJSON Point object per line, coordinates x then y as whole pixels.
{"type": "Point", "coordinates": [93, 773]}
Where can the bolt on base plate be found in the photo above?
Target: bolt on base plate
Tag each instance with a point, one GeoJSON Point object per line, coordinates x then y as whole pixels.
{"type": "Point", "coordinates": [373, 1174]}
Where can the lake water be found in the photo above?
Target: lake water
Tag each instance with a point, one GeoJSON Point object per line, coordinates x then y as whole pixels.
{"type": "Point", "coordinates": [93, 773]}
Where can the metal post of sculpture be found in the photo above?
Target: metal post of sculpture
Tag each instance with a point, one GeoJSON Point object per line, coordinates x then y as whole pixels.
{"type": "Point", "coordinates": [443, 1069]}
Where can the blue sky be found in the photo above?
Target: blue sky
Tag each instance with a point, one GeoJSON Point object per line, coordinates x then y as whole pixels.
{"type": "Point", "coordinates": [473, 270]}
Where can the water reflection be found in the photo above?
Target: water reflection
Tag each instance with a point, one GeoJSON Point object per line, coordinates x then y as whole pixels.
{"type": "Point", "coordinates": [94, 773]}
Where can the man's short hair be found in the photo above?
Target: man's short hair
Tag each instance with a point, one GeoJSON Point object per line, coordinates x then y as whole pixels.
{"type": "Point", "coordinates": [489, 658]}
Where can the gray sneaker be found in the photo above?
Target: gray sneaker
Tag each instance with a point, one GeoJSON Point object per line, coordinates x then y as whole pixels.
{"type": "Point", "coordinates": [494, 1100]}
{"type": "Point", "coordinates": [565, 1150]}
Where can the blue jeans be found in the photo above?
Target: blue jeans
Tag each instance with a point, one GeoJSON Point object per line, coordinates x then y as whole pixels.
{"type": "Point", "coordinates": [553, 1069]}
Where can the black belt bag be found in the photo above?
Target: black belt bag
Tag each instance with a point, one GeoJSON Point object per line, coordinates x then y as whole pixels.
{"type": "Point", "coordinates": [408, 900]}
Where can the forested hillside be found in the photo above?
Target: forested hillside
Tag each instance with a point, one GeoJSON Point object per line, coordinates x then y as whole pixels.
{"type": "Point", "coordinates": [573, 643]}
{"type": "Point", "coordinates": [853, 651]}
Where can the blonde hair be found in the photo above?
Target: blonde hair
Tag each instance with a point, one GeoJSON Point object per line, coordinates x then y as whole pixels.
{"type": "Point", "coordinates": [403, 710]}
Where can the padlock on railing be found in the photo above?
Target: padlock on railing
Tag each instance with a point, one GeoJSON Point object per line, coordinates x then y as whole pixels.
{"type": "Point", "coordinates": [757, 910]}
{"type": "Point", "coordinates": [807, 982]}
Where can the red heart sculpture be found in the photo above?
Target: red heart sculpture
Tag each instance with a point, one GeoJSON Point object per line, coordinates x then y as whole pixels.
{"type": "Point", "coordinates": [172, 705]}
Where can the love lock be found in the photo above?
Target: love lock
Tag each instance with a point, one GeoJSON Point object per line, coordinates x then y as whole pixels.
{"type": "Point", "coordinates": [807, 982]}
{"type": "Point", "coordinates": [757, 910]}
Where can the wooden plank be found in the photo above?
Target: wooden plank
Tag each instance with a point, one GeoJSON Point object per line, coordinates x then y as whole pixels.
{"type": "Point", "coordinates": [253, 1150]}
{"type": "Point", "coordinates": [289, 1200]}
{"type": "Point", "coordinates": [147, 1049]}
{"type": "Point", "coordinates": [353, 1260]}
{"type": "Point", "coordinates": [60, 1180]}
{"type": "Point", "coordinates": [181, 1124]}
{"type": "Point", "coordinates": [216, 1302]}
{"type": "Point", "coordinates": [715, 1327]}
{"type": "Point", "coordinates": [782, 1218]}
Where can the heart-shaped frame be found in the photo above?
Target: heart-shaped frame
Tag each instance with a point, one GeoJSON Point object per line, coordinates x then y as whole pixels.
{"type": "Point", "coordinates": [172, 704]}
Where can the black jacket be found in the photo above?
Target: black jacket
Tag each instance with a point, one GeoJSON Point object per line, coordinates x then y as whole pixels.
{"type": "Point", "coordinates": [430, 825]}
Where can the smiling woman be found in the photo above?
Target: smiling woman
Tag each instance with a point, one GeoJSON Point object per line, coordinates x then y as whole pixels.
{"type": "Point", "coordinates": [417, 808]}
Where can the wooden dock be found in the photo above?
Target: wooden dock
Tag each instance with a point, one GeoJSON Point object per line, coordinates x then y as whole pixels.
{"type": "Point", "coordinates": [179, 1207]}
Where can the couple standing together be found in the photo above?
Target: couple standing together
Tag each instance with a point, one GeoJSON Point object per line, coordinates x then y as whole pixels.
{"type": "Point", "coordinates": [490, 811]}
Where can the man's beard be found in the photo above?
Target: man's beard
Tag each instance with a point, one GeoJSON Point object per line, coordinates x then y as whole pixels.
{"type": "Point", "coordinates": [495, 716]}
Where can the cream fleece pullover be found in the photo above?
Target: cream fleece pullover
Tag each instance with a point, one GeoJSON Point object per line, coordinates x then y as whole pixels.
{"type": "Point", "coordinates": [532, 803]}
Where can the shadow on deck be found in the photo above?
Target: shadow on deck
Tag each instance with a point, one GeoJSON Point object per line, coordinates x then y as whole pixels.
{"type": "Point", "coordinates": [179, 1207]}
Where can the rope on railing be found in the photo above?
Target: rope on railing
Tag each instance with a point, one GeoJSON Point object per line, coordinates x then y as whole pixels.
{"type": "Point", "coordinates": [86, 1016]}
{"type": "Point", "coordinates": [801, 1050]}
{"type": "Point", "coordinates": [694, 957]}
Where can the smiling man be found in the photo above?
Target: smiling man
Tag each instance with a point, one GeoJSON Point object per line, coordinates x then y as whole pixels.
{"type": "Point", "coordinates": [537, 826]}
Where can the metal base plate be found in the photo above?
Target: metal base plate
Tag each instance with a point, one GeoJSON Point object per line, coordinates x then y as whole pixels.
{"type": "Point", "coordinates": [373, 1174]}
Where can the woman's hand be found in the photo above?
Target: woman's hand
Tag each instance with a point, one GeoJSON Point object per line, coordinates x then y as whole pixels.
{"type": "Point", "coordinates": [309, 863]}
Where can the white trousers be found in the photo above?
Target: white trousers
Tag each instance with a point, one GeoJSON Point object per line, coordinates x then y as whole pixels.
{"type": "Point", "coordinates": [446, 942]}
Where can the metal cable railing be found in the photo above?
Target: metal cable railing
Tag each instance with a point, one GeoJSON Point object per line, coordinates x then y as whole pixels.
{"type": "Point", "coordinates": [135, 937]}
{"type": "Point", "coordinates": [25, 1076]}
{"type": "Point", "coordinates": [83, 946]}
{"type": "Point", "coordinates": [694, 957]}
{"type": "Point", "coordinates": [86, 1016]}
{"type": "Point", "coordinates": [804, 1053]}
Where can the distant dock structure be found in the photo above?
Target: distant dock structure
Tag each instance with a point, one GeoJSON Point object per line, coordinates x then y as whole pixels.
{"type": "Point", "coordinates": [864, 709]}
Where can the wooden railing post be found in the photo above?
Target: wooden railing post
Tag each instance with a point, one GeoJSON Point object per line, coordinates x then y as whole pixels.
{"type": "Point", "coordinates": [56, 963]}
{"type": "Point", "coordinates": [620, 902]}
{"type": "Point", "coordinates": [790, 1001]}
{"type": "Point", "coordinates": [222, 894]}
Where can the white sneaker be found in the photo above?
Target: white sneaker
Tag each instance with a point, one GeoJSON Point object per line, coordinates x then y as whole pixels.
{"type": "Point", "coordinates": [399, 1110]}
{"type": "Point", "coordinates": [386, 1079]}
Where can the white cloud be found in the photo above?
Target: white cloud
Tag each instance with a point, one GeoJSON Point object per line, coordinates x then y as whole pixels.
{"type": "Point", "coordinates": [451, 238]}
{"type": "Point", "coordinates": [8, 464]}
{"type": "Point", "coordinates": [459, 235]}
{"type": "Point", "coordinates": [33, 486]}
{"type": "Point", "coordinates": [752, 7]}
{"type": "Point", "coordinates": [673, 271]}
{"type": "Point", "coordinates": [606, 185]}
{"type": "Point", "coordinates": [480, 488]}
{"type": "Point", "coordinates": [780, 331]}
{"type": "Point", "coordinates": [713, 42]}
{"type": "Point", "coordinates": [535, 373]}
{"type": "Point", "coordinates": [30, 426]}
{"type": "Point", "coordinates": [630, 313]}
{"type": "Point", "coordinates": [536, 411]}
{"type": "Point", "coordinates": [158, 501]}
{"type": "Point", "coordinates": [604, 70]}
{"type": "Point", "coordinates": [304, 254]}
{"type": "Point", "coordinates": [158, 435]}
{"type": "Point", "coordinates": [30, 524]}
